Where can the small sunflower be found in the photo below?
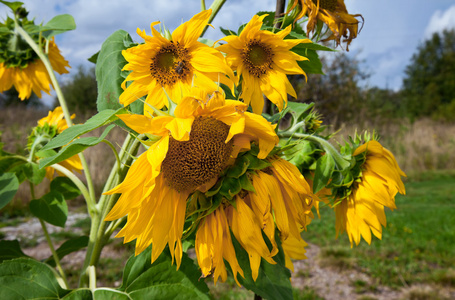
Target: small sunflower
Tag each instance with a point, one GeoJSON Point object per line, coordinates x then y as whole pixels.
{"type": "Point", "coordinates": [334, 14]}
{"type": "Point", "coordinates": [20, 65]}
{"type": "Point", "coordinates": [161, 66]}
{"type": "Point", "coordinates": [362, 211]}
{"type": "Point", "coordinates": [48, 128]}
{"type": "Point", "coordinates": [263, 59]}
{"type": "Point", "coordinates": [281, 200]}
{"type": "Point", "coordinates": [194, 147]}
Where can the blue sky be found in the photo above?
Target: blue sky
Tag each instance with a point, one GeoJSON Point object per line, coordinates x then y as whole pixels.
{"type": "Point", "coordinates": [390, 35]}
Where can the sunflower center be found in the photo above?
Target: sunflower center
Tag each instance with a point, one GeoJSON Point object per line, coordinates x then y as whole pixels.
{"type": "Point", "coordinates": [171, 64]}
{"type": "Point", "coordinates": [257, 57]}
{"type": "Point", "coordinates": [191, 163]}
{"type": "Point", "coordinates": [330, 5]}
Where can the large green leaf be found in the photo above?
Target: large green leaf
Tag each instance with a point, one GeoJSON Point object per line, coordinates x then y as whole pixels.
{"type": "Point", "coordinates": [51, 208]}
{"type": "Point", "coordinates": [10, 250]}
{"type": "Point", "coordinates": [66, 187]}
{"type": "Point", "coordinates": [25, 278]}
{"type": "Point", "coordinates": [100, 119]}
{"type": "Point", "coordinates": [68, 247]}
{"type": "Point", "coordinates": [9, 162]}
{"type": "Point", "coordinates": [161, 280]}
{"type": "Point", "coordinates": [8, 188]}
{"type": "Point", "coordinates": [109, 65]}
{"type": "Point", "coordinates": [34, 174]}
{"type": "Point", "coordinates": [57, 25]}
{"type": "Point", "coordinates": [74, 148]}
{"type": "Point", "coordinates": [273, 281]}
{"type": "Point", "coordinates": [13, 5]}
{"type": "Point", "coordinates": [324, 169]}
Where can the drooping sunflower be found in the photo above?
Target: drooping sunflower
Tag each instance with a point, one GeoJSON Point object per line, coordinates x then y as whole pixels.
{"type": "Point", "coordinates": [362, 211]}
{"type": "Point", "coordinates": [263, 59]}
{"type": "Point", "coordinates": [161, 66]}
{"type": "Point", "coordinates": [48, 128]}
{"type": "Point", "coordinates": [334, 14]}
{"type": "Point", "coordinates": [194, 147]}
{"type": "Point", "coordinates": [20, 65]}
{"type": "Point", "coordinates": [281, 200]}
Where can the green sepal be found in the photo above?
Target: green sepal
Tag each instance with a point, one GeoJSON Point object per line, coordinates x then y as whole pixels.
{"type": "Point", "coordinates": [246, 184]}
{"type": "Point", "coordinates": [51, 208]}
{"type": "Point", "coordinates": [239, 168]}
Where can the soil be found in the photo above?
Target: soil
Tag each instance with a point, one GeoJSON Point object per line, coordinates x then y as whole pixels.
{"type": "Point", "coordinates": [329, 282]}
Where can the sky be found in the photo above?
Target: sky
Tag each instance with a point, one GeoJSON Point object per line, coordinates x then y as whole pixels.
{"type": "Point", "coordinates": [390, 35]}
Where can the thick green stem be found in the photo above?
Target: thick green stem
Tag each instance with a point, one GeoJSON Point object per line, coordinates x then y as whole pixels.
{"type": "Point", "coordinates": [203, 5]}
{"type": "Point", "coordinates": [215, 7]}
{"type": "Point", "coordinates": [339, 159]}
{"type": "Point", "coordinates": [60, 98]}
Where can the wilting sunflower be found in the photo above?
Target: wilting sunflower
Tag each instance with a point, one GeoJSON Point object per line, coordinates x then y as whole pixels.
{"type": "Point", "coordinates": [194, 147]}
{"type": "Point", "coordinates": [161, 66]}
{"type": "Point", "coordinates": [48, 128]}
{"type": "Point", "coordinates": [334, 14]}
{"type": "Point", "coordinates": [23, 68]}
{"type": "Point", "coordinates": [362, 211]}
{"type": "Point", "coordinates": [263, 59]}
{"type": "Point", "coordinates": [281, 199]}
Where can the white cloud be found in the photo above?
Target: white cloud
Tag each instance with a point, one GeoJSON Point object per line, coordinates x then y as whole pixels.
{"type": "Point", "coordinates": [441, 20]}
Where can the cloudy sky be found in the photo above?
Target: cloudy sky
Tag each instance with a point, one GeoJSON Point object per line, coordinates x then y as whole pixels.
{"type": "Point", "coordinates": [390, 35]}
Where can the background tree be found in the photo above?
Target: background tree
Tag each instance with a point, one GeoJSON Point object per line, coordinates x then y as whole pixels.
{"type": "Point", "coordinates": [81, 91]}
{"type": "Point", "coordinates": [429, 85]}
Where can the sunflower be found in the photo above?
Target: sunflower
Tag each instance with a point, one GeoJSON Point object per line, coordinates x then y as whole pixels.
{"type": "Point", "coordinates": [161, 66]}
{"type": "Point", "coordinates": [206, 134]}
{"type": "Point", "coordinates": [31, 74]}
{"type": "Point", "coordinates": [334, 14]}
{"type": "Point", "coordinates": [48, 128]}
{"type": "Point", "coordinates": [263, 59]}
{"type": "Point", "coordinates": [362, 211]}
{"type": "Point", "coordinates": [281, 200]}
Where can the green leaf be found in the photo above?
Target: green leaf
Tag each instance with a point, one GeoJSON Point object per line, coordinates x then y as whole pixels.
{"type": "Point", "coordinates": [109, 67]}
{"type": "Point", "coordinates": [299, 110]}
{"type": "Point", "coordinates": [325, 166]}
{"type": "Point", "coordinates": [100, 119]}
{"type": "Point", "coordinates": [68, 247]}
{"type": "Point", "coordinates": [74, 148]}
{"type": "Point", "coordinates": [34, 174]}
{"type": "Point", "coordinates": [51, 208]}
{"type": "Point", "coordinates": [10, 250]}
{"type": "Point", "coordinates": [273, 281]}
{"type": "Point", "coordinates": [9, 162]}
{"type": "Point", "coordinates": [64, 186]}
{"type": "Point", "coordinates": [161, 280]}
{"type": "Point", "coordinates": [80, 294]}
{"type": "Point", "coordinates": [57, 25]}
{"type": "Point", "coordinates": [94, 58]}
{"type": "Point", "coordinates": [227, 31]}
{"type": "Point", "coordinates": [8, 188]}
{"type": "Point", "coordinates": [25, 278]}
{"type": "Point", "coordinates": [13, 5]}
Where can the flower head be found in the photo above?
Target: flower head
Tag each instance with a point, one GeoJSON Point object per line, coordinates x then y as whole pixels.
{"type": "Point", "coordinates": [48, 128]}
{"type": "Point", "coordinates": [193, 147]}
{"type": "Point", "coordinates": [334, 14]}
{"type": "Point", "coordinates": [263, 59]}
{"type": "Point", "coordinates": [362, 211]}
{"type": "Point", "coordinates": [161, 66]}
{"type": "Point", "coordinates": [30, 74]}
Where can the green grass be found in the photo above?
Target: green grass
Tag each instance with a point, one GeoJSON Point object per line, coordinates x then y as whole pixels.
{"type": "Point", "coordinates": [417, 244]}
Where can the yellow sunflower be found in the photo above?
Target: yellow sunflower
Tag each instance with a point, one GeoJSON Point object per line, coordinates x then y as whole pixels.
{"type": "Point", "coordinates": [334, 14]}
{"type": "Point", "coordinates": [282, 200]}
{"type": "Point", "coordinates": [161, 66]}
{"type": "Point", "coordinates": [263, 59]}
{"type": "Point", "coordinates": [31, 74]}
{"type": "Point", "coordinates": [205, 135]}
{"type": "Point", "coordinates": [362, 212]}
{"type": "Point", "coordinates": [49, 127]}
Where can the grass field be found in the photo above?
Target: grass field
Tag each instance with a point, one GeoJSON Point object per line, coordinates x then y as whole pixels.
{"type": "Point", "coordinates": [418, 244]}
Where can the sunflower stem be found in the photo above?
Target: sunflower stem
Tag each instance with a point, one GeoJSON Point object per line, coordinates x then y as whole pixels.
{"type": "Point", "coordinates": [203, 5]}
{"type": "Point", "coordinates": [215, 7]}
{"type": "Point", "coordinates": [341, 162]}
{"type": "Point", "coordinates": [44, 58]}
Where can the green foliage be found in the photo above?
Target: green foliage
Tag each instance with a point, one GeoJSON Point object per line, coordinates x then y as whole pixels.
{"type": "Point", "coordinates": [429, 85]}
{"type": "Point", "coordinates": [51, 208]}
{"type": "Point", "coordinates": [10, 250]}
{"type": "Point", "coordinates": [57, 25]}
{"type": "Point", "coordinates": [70, 246]}
{"type": "Point", "coordinates": [8, 188]}
{"type": "Point", "coordinates": [81, 91]}
{"type": "Point", "coordinates": [65, 187]}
